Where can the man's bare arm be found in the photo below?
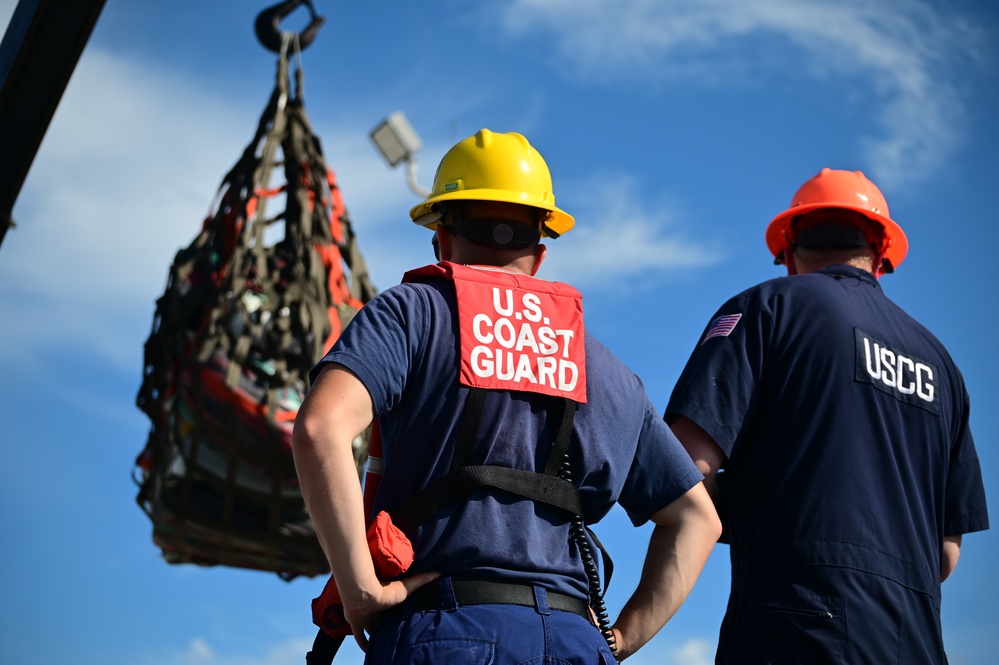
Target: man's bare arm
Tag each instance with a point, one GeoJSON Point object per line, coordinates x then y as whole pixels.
{"type": "Point", "coordinates": [707, 455]}
{"type": "Point", "coordinates": [337, 409]}
{"type": "Point", "coordinates": [685, 532]}
{"type": "Point", "coordinates": [949, 555]}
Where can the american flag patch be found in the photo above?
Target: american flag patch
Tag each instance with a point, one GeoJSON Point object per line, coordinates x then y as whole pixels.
{"type": "Point", "coordinates": [722, 326]}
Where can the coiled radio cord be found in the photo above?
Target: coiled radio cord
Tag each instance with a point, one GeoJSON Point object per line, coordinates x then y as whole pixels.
{"type": "Point", "coordinates": [577, 531]}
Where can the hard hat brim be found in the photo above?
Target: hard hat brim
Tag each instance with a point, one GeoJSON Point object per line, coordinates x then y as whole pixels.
{"type": "Point", "coordinates": [560, 221]}
{"type": "Point", "coordinates": [897, 249]}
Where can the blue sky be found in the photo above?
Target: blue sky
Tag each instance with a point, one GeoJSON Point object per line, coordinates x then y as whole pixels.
{"type": "Point", "coordinates": [674, 132]}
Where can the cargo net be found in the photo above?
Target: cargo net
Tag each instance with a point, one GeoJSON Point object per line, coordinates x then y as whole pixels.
{"type": "Point", "coordinates": [250, 306]}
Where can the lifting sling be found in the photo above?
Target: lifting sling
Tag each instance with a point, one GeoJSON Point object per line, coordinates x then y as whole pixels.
{"type": "Point", "coordinates": [250, 306]}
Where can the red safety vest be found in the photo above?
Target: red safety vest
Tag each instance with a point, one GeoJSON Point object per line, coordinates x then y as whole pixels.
{"type": "Point", "coordinates": [517, 332]}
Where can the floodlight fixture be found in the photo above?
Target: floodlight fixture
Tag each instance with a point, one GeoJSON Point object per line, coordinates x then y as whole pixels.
{"type": "Point", "coordinates": [398, 142]}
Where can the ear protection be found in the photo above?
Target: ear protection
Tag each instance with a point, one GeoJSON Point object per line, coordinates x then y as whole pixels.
{"type": "Point", "coordinates": [499, 233]}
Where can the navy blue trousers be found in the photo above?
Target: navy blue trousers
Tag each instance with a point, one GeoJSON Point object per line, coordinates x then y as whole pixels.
{"type": "Point", "coordinates": [493, 634]}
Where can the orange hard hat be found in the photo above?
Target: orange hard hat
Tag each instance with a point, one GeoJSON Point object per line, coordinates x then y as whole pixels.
{"type": "Point", "coordinates": [847, 190]}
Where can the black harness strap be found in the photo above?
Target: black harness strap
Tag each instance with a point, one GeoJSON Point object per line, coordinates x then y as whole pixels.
{"type": "Point", "coordinates": [461, 482]}
{"type": "Point", "coordinates": [561, 448]}
{"type": "Point", "coordinates": [469, 434]}
{"type": "Point", "coordinates": [464, 478]}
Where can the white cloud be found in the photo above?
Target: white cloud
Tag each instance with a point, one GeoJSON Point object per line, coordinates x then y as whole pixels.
{"type": "Point", "coordinates": [694, 652]}
{"type": "Point", "coordinates": [905, 56]}
{"type": "Point", "coordinates": [200, 652]}
{"type": "Point", "coordinates": [6, 13]}
{"type": "Point", "coordinates": [619, 242]}
{"type": "Point", "coordinates": [118, 185]}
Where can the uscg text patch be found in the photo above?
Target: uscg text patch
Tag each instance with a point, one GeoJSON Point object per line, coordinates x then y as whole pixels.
{"type": "Point", "coordinates": [901, 375]}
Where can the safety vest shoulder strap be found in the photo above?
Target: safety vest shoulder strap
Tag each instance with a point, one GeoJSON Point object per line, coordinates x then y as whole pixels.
{"type": "Point", "coordinates": [489, 274]}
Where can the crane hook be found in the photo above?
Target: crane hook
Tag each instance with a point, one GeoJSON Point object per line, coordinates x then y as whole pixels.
{"type": "Point", "coordinates": [268, 24]}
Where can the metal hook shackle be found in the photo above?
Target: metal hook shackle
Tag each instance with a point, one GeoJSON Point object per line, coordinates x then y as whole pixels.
{"type": "Point", "coordinates": [268, 24]}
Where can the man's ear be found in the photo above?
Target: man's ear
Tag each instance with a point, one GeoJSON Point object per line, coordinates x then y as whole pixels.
{"type": "Point", "coordinates": [540, 252]}
{"type": "Point", "coordinates": [790, 261]}
{"type": "Point", "coordinates": [445, 243]}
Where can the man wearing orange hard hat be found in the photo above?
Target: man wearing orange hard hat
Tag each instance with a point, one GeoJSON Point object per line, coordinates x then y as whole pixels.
{"type": "Point", "coordinates": [832, 430]}
{"type": "Point", "coordinates": [840, 210]}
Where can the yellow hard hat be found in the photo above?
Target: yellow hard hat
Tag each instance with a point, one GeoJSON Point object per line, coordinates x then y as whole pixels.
{"type": "Point", "coordinates": [491, 166]}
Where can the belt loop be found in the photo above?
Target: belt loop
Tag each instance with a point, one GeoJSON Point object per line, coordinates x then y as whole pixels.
{"type": "Point", "coordinates": [446, 590]}
{"type": "Point", "coordinates": [541, 600]}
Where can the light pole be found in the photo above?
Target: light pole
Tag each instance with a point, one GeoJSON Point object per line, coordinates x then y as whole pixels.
{"type": "Point", "coordinates": [398, 142]}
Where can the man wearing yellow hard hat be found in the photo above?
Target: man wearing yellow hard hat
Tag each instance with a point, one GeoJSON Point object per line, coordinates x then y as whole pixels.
{"type": "Point", "coordinates": [506, 430]}
{"type": "Point", "coordinates": [832, 429]}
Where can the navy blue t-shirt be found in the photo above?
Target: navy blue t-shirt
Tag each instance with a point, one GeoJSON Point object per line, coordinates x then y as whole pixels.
{"type": "Point", "coordinates": [403, 345]}
{"type": "Point", "coordinates": [845, 424]}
